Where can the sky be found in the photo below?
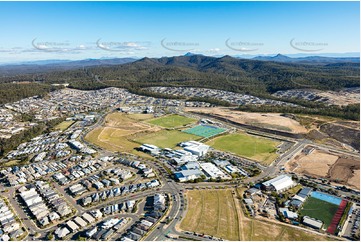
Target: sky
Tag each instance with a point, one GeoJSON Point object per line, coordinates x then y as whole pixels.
{"type": "Point", "coordinates": [81, 30]}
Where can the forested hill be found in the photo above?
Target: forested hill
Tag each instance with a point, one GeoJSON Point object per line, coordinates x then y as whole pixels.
{"type": "Point", "coordinates": [233, 74]}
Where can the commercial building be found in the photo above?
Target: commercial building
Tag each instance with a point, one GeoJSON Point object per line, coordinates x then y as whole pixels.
{"type": "Point", "coordinates": [195, 148]}
{"type": "Point", "coordinates": [279, 184]}
{"type": "Point", "coordinates": [152, 149]}
{"type": "Point", "coordinates": [187, 175]}
{"type": "Point", "coordinates": [212, 171]}
{"type": "Point", "coordinates": [311, 222]}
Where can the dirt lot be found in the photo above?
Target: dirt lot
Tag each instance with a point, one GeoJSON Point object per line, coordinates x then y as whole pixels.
{"type": "Point", "coordinates": [344, 97]}
{"type": "Point", "coordinates": [264, 120]}
{"type": "Point", "coordinates": [317, 163]}
{"type": "Point", "coordinates": [343, 170]}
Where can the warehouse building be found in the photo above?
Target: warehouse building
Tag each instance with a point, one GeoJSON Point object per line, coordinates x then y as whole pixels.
{"type": "Point", "coordinates": [212, 171]}
{"type": "Point", "coordinates": [195, 148]}
{"type": "Point", "coordinates": [311, 222]}
{"type": "Point", "coordinates": [279, 184]}
{"type": "Point", "coordinates": [152, 149]}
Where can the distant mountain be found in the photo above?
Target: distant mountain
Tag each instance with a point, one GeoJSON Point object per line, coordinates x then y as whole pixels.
{"type": "Point", "coordinates": [258, 77]}
{"type": "Point", "coordinates": [191, 54]}
{"type": "Point", "coordinates": [227, 73]}
{"type": "Point", "coordinates": [34, 67]}
{"type": "Point", "coordinates": [320, 60]}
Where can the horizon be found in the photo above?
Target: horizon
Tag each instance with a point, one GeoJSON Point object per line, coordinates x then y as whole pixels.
{"type": "Point", "coordinates": [293, 56]}
{"type": "Point", "coordinates": [156, 29]}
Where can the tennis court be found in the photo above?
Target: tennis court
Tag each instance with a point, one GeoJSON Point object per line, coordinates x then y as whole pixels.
{"type": "Point", "coordinates": [204, 131]}
{"type": "Point", "coordinates": [326, 197]}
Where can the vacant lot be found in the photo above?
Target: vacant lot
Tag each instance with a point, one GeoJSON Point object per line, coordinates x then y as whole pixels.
{"type": "Point", "coordinates": [114, 134]}
{"type": "Point", "coordinates": [249, 146]}
{"type": "Point", "coordinates": [217, 213]}
{"type": "Point", "coordinates": [172, 121]}
{"type": "Point", "coordinates": [316, 208]}
{"type": "Point", "coordinates": [64, 125]}
{"type": "Point", "coordinates": [212, 212]}
{"type": "Point", "coordinates": [346, 170]}
{"type": "Point", "coordinates": [165, 138]}
{"type": "Point", "coordinates": [317, 163]}
{"type": "Point", "coordinates": [263, 120]}
{"type": "Point", "coordinates": [342, 170]}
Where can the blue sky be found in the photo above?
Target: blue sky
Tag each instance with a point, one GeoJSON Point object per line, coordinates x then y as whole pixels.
{"type": "Point", "coordinates": [78, 30]}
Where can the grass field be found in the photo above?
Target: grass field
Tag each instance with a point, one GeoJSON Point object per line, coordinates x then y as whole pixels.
{"type": "Point", "coordinates": [319, 209]}
{"type": "Point", "coordinates": [165, 138]}
{"type": "Point", "coordinates": [64, 125]}
{"type": "Point", "coordinates": [115, 134]}
{"type": "Point", "coordinates": [172, 121]}
{"type": "Point", "coordinates": [249, 146]}
{"type": "Point", "coordinates": [215, 212]}
{"type": "Point", "coordinates": [212, 212]}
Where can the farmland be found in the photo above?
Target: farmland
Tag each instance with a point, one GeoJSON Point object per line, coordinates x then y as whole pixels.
{"type": "Point", "coordinates": [242, 144]}
{"type": "Point", "coordinates": [165, 138]}
{"type": "Point", "coordinates": [172, 121]}
{"type": "Point", "coordinates": [319, 209]}
{"type": "Point", "coordinates": [217, 213]}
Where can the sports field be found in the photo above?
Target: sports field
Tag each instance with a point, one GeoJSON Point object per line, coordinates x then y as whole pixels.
{"type": "Point", "coordinates": [204, 130]}
{"type": "Point", "coordinates": [165, 138]}
{"type": "Point", "coordinates": [172, 121]}
{"type": "Point", "coordinates": [249, 146]}
{"type": "Point", "coordinates": [322, 210]}
{"type": "Point", "coordinates": [218, 213]}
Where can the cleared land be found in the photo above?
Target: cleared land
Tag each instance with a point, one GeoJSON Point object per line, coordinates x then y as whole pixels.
{"type": "Point", "coordinates": [214, 212]}
{"type": "Point", "coordinates": [64, 125]}
{"type": "Point", "coordinates": [317, 163]}
{"type": "Point", "coordinates": [116, 132]}
{"type": "Point", "coordinates": [342, 170]}
{"type": "Point", "coordinates": [345, 170]}
{"type": "Point", "coordinates": [316, 208]}
{"type": "Point", "coordinates": [263, 120]}
{"type": "Point", "coordinates": [172, 121]}
{"type": "Point", "coordinates": [249, 146]}
{"type": "Point", "coordinates": [165, 138]}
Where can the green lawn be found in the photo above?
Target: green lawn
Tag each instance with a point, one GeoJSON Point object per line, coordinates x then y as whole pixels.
{"type": "Point", "coordinates": [249, 146]}
{"type": "Point", "coordinates": [172, 121]}
{"type": "Point", "coordinates": [316, 208]}
{"type": "Point", "coordinates": [166, 138]}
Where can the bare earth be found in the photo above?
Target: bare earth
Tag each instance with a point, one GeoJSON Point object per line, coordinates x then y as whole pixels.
{"type": "Point", "coordinates": [355, 179]}
{"type": "Point", "coordinates": [264, 120]}
{"type": "Point", "coordinates": [341, 97]}
{"type": "Point", "coordinates": [342, 170]}
{"type": "Point", "coordinates": [317, 163]}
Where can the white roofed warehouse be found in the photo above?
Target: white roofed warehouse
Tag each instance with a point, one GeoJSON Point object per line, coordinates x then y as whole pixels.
{"type": "Point", "coordinates": [279, 184]}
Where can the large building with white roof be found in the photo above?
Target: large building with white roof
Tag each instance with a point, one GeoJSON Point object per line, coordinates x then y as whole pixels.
{"type": "Point", "coordinates": [196, 148]}
{"type": "Point", "coordinates": [212, 171]}
{"type": "Point", "coordinates": [279, 184]}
